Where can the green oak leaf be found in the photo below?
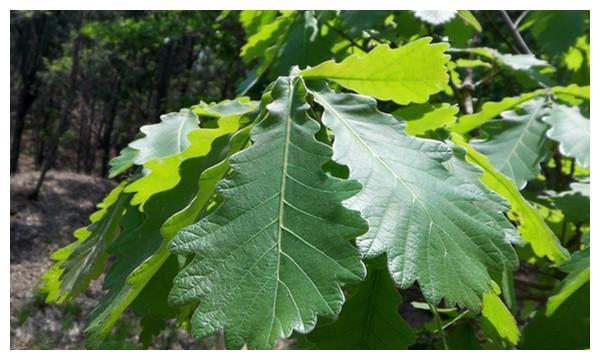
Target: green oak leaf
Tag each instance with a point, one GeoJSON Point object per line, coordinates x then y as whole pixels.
{"type": "Point", "coordinates": [572, 130]}
{"type": "Point", "coordinates": [83, 260]}
{"type": "Point", "coordinates": [574, 203]}
{"type": "Point", "coordinates": [437, 229]}
{"type": "Point", "coordinates": [369, 319]}
{"type": "Point", "coordinates": [578, 269]}
{"type": "Point", "coordinates": [490, 110]}
{"type": "Point", "coordinates": [568, 327]}
{"type": "Point", "coordinates": [407, 74]}
{"type": "Point", "coordinates": [162, 174]}
{"type": "Point", "coordinates": [534, 231]}
{"type": "Point", "coordinates": [273, 255]}
{"type": "Point", "coordinates": [166, 138]}
{"type": "Point", "coordinates": [421, 118]}
{"type": "Point", "coordinates": [470, 19]}
{"type": "Point", "coordinates": [122, 162]}
{"type": "Point", "coordinates": [515, 144]}
{"type": "Point", "coordinates": [266, 36]}
{"type": "Point", "coordinates": [253, 20]}
{"type": "Point", "coordinates": [555, 31]}
{"type": "Point", "coordinates": [142, 252]}
{"type": "Point", "coordinates": [499, 317]}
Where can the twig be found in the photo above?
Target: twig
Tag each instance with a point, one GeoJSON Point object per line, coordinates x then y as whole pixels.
{"type": "Point", "coordinates": [520, 18]}
{"type": "Point", "coordinates": [499, 33]}
{"type": "Point", "coordinates": [345, 36]}
{"type": "Point", "coordinates": [521, 45]}
{"type": "Point", "coordinates": [438, 321]}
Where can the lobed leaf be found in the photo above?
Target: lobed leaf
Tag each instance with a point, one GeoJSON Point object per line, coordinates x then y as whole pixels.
{"type": "Point", "coordinates": [83, 260]}
{"type": "Point", "coordinates": [407, 74]}
{"type": "Point", "coordinates": [369, 320]}
{"type": "Point", "coordinates": [515, 143]}
{"type": "Point", "coordinates": [440, 230]}
{"type": "Point", "coordinates": [273, 255]}
{"type": "Point", "coordinates": [572, 130]}
{"type": "Point", "coordinates": [532, 227]}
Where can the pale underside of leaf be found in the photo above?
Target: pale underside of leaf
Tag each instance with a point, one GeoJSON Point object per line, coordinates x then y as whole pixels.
{"type": "Point", "coordinates": [516, 143]}
{"type": "Point", "coordinates": [532, 227]}
{"type": "Point", "coordinates": [436, 228]}
{"type": "Point", "coordinates": [572, 130]}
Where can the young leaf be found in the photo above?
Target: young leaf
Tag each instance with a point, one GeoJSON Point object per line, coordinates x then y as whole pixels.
{"type": "Point", "coordinates": [424, 117]}
{"type": "Point", "coordinates": [572, 131]}
{"type": "Point", "coordinates": [578, 269]}
{"type": "Point", "coordinates": [141, 252]}
{"type": "Point", "coordinates": [274, 254]}
{"type": "Point", "coordinates": [407, 74]}
{"type": "Point", "coordinates": [436, 228]}
{"type": "Point", "coordinates": [162, 174]}
{"type": "Point", "coordinates": [516, 143]}
{"type": "Point", "coordinates": [369, 320]}
{"type": "Point", "coordinates": [532, 227]}
{"type": "Point", "coordinates": [491, 110]}
{"type": "Point", "coordinates": [83, 260]}
{"type": "Point", "coordinates": [495, 312]}
{"type": "Point", "coordinates": [470, 19]}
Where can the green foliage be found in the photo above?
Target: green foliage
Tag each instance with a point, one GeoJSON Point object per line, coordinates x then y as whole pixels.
{"type": "Point", "coordinates": [369, 164]}
{"type": "Point", "coordinates": [408, 74]}
{"type": "Point", "coordinates": [369, 319]}
{"type": "Point", "coordinates": [273, 255]}
{"type": "Point", "coordinates": [572, 131]}
{"type": "Point", "coordinates": [515, 143]}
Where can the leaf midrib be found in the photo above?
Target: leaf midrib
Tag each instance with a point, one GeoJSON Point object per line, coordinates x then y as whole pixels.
{"type": "Point", "coordinates": [531, 120]}
{"type": "Point", "coordinates": [373, 153]}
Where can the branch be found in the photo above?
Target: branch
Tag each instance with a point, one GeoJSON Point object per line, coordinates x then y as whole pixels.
{"type": "Point", "coordinates": [521, 45]}
{"type": "Point", "coordinates": [520, 18]}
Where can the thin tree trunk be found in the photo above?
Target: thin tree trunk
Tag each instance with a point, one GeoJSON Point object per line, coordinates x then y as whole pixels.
{"type": "Point", "coordinates": [64, 122]}
{"type": "Point", "coordinates": [29, 67]}
{"type": "Point", "coordinates": [108, 129]}
{"type": "Point", "coordinates": [162, 88]}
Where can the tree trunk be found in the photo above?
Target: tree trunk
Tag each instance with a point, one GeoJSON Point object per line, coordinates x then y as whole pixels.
{"type": "Point", "coordinates": [64, 122]}
{"type": "Point", "coordinates": [31, 63]}
{"type": "Point", "coordinates": [108, 129]}
{"type": "Point", "coordinates": [162, 88]}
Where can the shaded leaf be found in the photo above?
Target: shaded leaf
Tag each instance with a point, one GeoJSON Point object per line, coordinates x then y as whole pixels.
{"type": "Point", "coordinates": [83, 260]}
{"type": "Point", "coordinates": [424, 117]}
{"type": "Point", "coordinates": [369, 320]}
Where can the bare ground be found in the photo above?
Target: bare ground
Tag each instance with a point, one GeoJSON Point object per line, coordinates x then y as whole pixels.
{"type": "Point", "coordinates": [39, 227]}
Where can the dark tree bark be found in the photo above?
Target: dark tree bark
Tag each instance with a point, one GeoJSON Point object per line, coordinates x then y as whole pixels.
{"type": "Point", "coordinates": [109, 124]}
{"type": "Point", "coordinates": [162, 88]}
{"type": "Point", "coordinates": [32, 53]}
{"type": "Point", "coordinates": [64, 121]}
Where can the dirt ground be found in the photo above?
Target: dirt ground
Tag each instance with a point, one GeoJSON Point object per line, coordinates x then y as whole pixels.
{"type": "Point", "coordinates": [37, 228]}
